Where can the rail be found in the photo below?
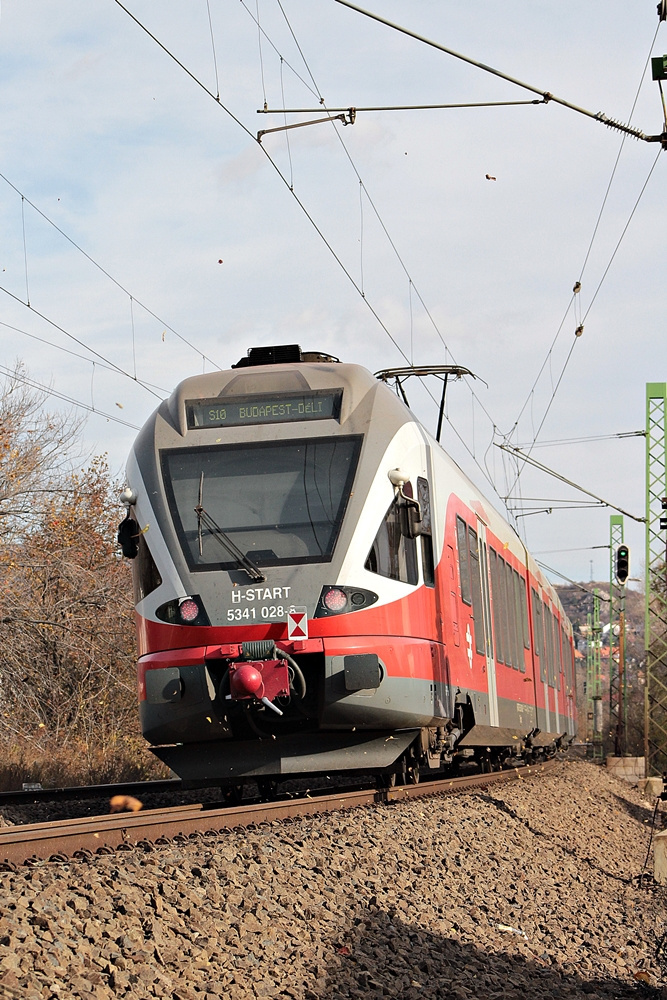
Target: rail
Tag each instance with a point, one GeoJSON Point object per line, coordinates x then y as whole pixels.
{"type": "Point", "coordinates": [86, 837]}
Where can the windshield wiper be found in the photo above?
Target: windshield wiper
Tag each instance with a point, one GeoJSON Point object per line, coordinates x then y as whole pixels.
{"type": "Point", "coordinates": [205, 519]}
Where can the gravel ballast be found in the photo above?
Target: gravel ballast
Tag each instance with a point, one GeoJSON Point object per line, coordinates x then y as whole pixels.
{"type": "Point", "coordinates": [526, 890]}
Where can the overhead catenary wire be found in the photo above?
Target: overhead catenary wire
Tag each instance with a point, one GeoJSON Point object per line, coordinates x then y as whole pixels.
{"type": "Point", "coordinates": [74, 354]}
{"type": "Point", "coordinates": [583, 440]}
{"type": "Point", "coordinates": [81, 343]}
{"type": "Point", "coordinates": [289, 65]}
{"type": "Point", "coordinates": [568, 482]}
{"type": "Point", "coordinates": [550, 569]}
{"type": "Point", "coordinates": [275, 166]}
{"type": "Point", "coordinates": [628, 130]}
{"type": "Point", "coordinates": [401, 107]}
{"type": "Point", "coordinates": [618, 157]}
{"type": "Point", "coordinates": [547, 95]}
{"type": "Point", "coordinates": [297, 199]}
{"type": "Point", "coordinates": [50, 391]}
{"type": "Point", "coordinates": [523, 456]}
{"type": "Point", "coordinates": [215, 58]}
{"type": "Point", "coordinates": [411, 285]}
{"type": "Point", "coordinates": [103, 270]}
{"type": "Point", "coordinates": [578, 283]}
{"type": "Point", "coordinates": [395, 250]}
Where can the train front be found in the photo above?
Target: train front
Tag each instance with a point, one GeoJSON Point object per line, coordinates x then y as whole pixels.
{"type": "Point", "coordinates": [283, 622]}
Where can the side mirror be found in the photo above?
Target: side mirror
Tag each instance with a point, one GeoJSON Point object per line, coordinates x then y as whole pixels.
{"type": "Point", "coordinates": [410, 516]}
{"type": "Point", "coordinates": [128, 534]}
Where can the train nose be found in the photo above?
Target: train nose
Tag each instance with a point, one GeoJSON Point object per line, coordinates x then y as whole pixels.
{"type": "Point", "coordinates": [246, 682]}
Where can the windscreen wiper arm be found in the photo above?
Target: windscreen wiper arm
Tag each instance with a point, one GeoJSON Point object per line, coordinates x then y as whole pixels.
{"type": "Point", "coordinates": [205, 519]}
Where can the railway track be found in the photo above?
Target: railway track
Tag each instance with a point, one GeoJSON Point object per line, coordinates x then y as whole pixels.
{"type": "Point", "coordinates": [86, 837]}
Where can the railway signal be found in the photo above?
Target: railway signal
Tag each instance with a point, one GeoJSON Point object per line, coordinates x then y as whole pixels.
{"type": "Point", "coordinates": [622, 564]}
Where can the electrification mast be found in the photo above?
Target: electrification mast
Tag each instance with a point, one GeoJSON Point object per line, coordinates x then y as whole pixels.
{"type": "Point", "coordinates": [655, 704]}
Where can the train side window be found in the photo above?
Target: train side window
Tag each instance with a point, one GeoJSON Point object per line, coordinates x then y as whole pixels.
{"type": "Point", "coordinates": [495, 594]}
{"type": "Point", "coordinates": [524, 612]}
{"type": "Point", "coordinates": [571, 662]}
{"type": "Point", "coordinates": [477, 609]}
{"type": "Point", "coordinates": [549, 646]}
{"type": "Point", "coordinates": [556, 648]}
{"type": "Point", "coordinates": [520, 631]}
{"type": "Point", "coordinates": [511, 617]}
{"type": "Point", "coordinates": [425, 531]}
{"type": "Point", "coordinates": [464, 560]}
{"type": "Point", "coordinates": [538, 636]}
{"type": "Point", "coordinates": [392, 554]}
{"type": "Point", "coordinates": [507, 635]}
{"type": "Point", "coordinates": [145, 575]}
{"type": "Point", "coordinates": [486, 589]}
{"type": "Point", "coordinates": [559, 650]}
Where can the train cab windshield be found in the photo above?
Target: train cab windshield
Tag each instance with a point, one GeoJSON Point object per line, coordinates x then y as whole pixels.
{"type": "Point", "coordinates": [265, 504]}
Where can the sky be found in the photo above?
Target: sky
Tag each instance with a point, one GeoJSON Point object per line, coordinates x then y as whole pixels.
{"type": "Point", "coordinates": [145, 230]}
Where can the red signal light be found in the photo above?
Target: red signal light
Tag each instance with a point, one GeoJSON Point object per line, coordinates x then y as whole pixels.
{"type": "Point", "coordinates": [335, 599]}
{"type": "Point", "coordinates": [188, 610]}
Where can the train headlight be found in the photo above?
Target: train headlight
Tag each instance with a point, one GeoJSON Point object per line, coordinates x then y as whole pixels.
{"type": "Point", "coordinates": [188, 610]}
{"type": "Point", "coordinates": [183, 611]}
{"type": "Point", "coordinates": [334, 599]}
{"type": "Point", "coordinates": [343, 600]}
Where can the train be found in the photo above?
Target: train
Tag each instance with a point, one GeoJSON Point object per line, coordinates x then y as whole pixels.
{"type": "Point", "coordinates": [319, 588]}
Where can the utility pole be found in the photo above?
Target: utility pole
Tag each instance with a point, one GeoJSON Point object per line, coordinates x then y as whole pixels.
{"type": "Point", "coordinates": [655, 640]}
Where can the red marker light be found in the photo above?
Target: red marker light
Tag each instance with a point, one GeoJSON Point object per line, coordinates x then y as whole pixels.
{"type": "Point", "coordinates": [335, 599]}
{"type": "Point", "coordinates": [188, 610]}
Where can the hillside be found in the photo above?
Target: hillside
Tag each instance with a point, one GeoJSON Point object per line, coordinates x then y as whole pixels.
{"type": "Point", "coordinates": [577, 600]}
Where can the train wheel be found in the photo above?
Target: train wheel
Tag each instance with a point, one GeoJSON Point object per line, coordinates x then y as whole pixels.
{"type": "Point", "coordinates": [268, 789]}
{"type": "Point", "coordinates": [485, 765]}
{"type": "Point", "coordinates": [387, 780]}
{"type": "Point", "coordinates": [233, 794]}
{"type": "Point", "coordinates": [412, 774]}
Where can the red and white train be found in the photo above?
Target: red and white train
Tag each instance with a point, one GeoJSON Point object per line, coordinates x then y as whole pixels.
{"type": "Point", "coordinates": [320, 588]}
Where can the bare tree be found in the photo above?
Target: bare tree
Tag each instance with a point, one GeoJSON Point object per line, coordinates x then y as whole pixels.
{"type": "Point", "coordinates": [36, 450]}
{"type": "Point", "coordinates": [67, 648]}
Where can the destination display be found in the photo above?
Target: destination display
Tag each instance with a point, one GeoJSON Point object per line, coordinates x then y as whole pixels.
{"type": "Point", "coordinates": [274, 408]}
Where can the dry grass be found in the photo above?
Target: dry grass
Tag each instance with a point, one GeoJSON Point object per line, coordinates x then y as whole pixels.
{"type": "Point", "coordinates": [75, 763]}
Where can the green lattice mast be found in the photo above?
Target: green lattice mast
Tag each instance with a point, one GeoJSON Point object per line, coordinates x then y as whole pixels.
{"type": "Point", "coordinates": [655, 728]}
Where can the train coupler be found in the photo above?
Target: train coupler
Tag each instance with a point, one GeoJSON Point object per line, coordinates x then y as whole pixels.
{"type": "Point", "coordinates": [263, 680]}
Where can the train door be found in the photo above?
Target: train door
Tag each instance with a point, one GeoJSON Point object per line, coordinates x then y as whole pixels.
{"type": "Point", "coordinates": [488, 634]}
{"type": "Point", "coordinates": [540, 663]}
{"type": "Point", "coordinates": [443, 699]}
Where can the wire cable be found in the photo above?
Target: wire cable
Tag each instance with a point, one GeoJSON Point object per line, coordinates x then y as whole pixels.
{"type": "Point", "coordinates": [49, 391]}
{"type": "Point", "coordinates": [577, 286]}
{"type": "Point", "coordinates": [103, 270]}
{"type": "Point", "coordinates": [215, 59]}
{"type": "Point", "coordinates": [304, 82]}
{"type": "Point", "coordinates": [411, 285]}
{"type": "Point", "coordinates": [618, 157]}
{"type": "Point", "coordinates": [599, 116]}
{"type": "Point", "coordinates": [74, 354]}
{"type": "Point", "coordinates": [61, 329]}
{"type": "Point", "coordinates": [311, 219]}
{"type": "Point", "coordinates": [574, 342]}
